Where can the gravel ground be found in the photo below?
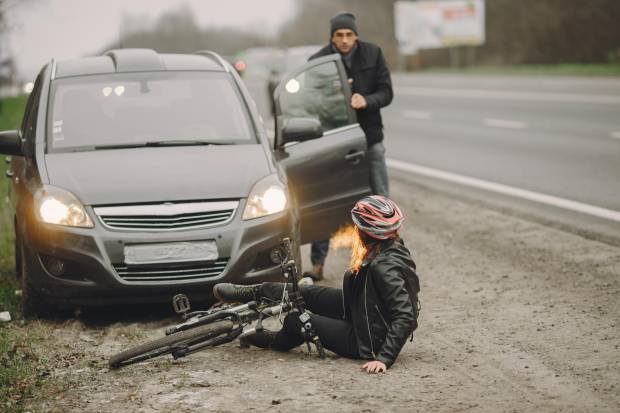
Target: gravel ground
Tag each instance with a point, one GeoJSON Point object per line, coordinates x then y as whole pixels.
{"type": "Point", "coordinates": [517, 316]}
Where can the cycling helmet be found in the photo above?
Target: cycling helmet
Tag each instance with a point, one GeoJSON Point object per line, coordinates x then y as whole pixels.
{"type": "Point", "coordinates": [377, 216]}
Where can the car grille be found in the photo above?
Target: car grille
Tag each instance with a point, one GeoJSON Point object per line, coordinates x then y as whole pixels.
{"type": "Point", "coordinates": [169, 216]}
{"type": "Point", "coordinates": [185, 272]}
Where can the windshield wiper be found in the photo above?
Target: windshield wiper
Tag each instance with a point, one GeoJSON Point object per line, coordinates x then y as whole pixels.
{"type": "Point", "coordinates": [184, 142]}
{"type": "Point", "coordinates": [120, 146]}
{"type": "Point", "coordinates": [167, 142]}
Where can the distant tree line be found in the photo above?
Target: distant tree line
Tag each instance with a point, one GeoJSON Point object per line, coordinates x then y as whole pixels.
{"type": "Point", "coordinates": [544, 32]}
{"type": "Point", "coordinates": [310, 25]}
{"type": "Point", "coordinates": [517, 32]}
{"type": "Point", "coordinates": [176, 31]}
{"type": "Point", "coordinates": [7, 64]}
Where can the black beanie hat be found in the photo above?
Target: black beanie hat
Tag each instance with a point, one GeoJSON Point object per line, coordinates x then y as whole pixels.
{"type": "Point", "coordinates": [343, 20]}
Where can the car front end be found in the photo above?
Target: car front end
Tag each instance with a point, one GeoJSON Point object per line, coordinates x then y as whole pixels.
{"type": "Point", "coordinates": [144, 253]}
{"type": "Point", "coordinates": [154, 181]}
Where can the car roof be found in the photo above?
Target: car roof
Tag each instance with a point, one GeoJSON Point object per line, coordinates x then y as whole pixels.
{"type": "Point", "coordinates": [138, 60]}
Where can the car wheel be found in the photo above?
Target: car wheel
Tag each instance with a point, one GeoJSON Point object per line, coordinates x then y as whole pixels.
{"type": "Point", "coordinates": [33, 304]}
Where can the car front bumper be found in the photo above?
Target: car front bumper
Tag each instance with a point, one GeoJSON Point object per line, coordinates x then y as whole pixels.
{"type": "Point", "coordinates": [92, 257]}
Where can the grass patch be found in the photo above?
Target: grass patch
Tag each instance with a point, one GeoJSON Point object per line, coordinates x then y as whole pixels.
{"type": "Point", "coordinates": [11, 111]}
{"type": "Point", "coordinates": [593, 70]}
{"type": "Point", "coordinates": [22, 371]}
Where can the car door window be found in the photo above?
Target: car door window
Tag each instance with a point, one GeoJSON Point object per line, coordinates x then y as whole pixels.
{"type": "Point", "coordinates": [316, 93]}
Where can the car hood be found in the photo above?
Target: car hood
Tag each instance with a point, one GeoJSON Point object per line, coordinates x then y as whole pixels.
{"type": "Point", "coordinates": [139, 175]}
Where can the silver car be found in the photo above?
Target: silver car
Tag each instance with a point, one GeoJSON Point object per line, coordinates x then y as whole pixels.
{"type": "Point", "coordinates": [137, 175]}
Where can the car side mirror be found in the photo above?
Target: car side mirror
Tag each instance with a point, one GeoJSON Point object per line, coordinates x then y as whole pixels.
{"type": "Point", "coordinates": [301, 129]}
{"type": "Point", "coordinates": [11, 143]}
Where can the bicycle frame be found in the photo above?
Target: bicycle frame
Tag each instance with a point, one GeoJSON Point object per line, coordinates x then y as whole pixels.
{"type": "Point", "coordinates": [245, 314]}
{"type": "Point", "coordinates": [237, 321]}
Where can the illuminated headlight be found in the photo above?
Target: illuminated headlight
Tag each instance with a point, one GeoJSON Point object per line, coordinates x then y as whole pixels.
{"type": "Point", "coordinates": [268, 196]}
{"type": "Point", "coordinates": [57, 206]}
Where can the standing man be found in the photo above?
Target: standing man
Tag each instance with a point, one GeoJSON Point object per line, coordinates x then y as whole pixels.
{"type": "Point", "coordinates": [371, 86]}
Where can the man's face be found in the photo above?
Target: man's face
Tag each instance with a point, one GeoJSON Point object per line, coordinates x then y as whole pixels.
{"type": "Point", "coordinates": [344, 40]}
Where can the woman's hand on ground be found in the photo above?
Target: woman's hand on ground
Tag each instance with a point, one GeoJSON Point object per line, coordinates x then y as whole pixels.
{"type": "Point", "coordinates": [374, 367]}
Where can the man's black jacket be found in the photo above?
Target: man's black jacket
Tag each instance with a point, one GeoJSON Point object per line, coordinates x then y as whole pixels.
{"type": "Point", "coordinates": [381, 301]}
{"type": "Point", "coordinates": [371, 79]}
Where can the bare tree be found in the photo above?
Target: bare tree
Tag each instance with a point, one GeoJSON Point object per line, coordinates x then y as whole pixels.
{"type": "Point", "coordinates": [177, 31]}
{"type": "Point", "coordinates": [546, 32]}
{"type": "Point", "coordinates": [310, 25]}
{"type": "Point", "coordinates": [523, 31]}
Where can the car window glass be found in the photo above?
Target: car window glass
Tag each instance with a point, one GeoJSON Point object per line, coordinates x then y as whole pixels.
{"type": "Point", "coordinates": [316, 93]}
{"type": "Point", "coordinates": [134, 108]}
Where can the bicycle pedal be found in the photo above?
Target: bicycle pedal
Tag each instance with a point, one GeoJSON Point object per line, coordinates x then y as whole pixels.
{"type": "Point", "coordinates": [180, 303]}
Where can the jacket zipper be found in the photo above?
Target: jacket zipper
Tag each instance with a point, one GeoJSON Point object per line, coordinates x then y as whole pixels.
{"type": "Point", "coordinates": [382, 319]}
{"type": "Point", "coordinates": [372, 350]}
{"type": "Point", "coordinates": [344, 309]}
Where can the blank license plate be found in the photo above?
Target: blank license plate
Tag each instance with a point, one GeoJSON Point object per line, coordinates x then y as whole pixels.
{"type": "Point", "coordinates": [171, 252]}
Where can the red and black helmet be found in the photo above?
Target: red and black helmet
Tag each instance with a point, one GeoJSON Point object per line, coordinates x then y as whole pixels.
{"type": "Point", "coordinates": [377, 216]}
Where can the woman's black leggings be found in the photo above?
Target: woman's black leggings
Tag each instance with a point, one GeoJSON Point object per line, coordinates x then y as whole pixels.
{"type": "Point", "coordinates": [326, 304]}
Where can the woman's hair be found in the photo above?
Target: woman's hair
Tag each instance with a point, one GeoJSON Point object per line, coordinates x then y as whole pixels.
{"type": "Point", "coordinates": [361, 246]}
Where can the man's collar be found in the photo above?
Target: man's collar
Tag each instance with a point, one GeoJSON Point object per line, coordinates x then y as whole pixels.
{"type": "Point", "coordinates": [335, 49]}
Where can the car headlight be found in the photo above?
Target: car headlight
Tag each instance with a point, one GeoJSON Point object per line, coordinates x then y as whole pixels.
{"type": "Point", "coordinates": [57, 206]}
{"type": "Point", "coordinates": [267, 197]}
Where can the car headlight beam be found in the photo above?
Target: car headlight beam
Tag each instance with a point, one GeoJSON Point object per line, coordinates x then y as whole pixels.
{"type": "Point", "coordinates": [268, 196]}
{"type": "Point", "coordinates": [57, 206]}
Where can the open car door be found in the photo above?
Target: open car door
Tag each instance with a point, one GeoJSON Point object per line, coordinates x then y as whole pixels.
{"type": "Point", "coordinates": [326, 174]}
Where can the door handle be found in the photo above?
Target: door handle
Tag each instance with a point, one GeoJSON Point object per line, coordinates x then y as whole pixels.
{"type": "Point", "coordinates": [9, 173]}
{"type": "Point", "coordinates": [354, 157]}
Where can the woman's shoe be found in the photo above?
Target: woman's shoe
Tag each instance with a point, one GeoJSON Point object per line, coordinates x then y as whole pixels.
{"type": "Point", "coordinates": [235, 293]}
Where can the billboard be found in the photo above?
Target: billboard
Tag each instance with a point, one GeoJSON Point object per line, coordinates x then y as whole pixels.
{"type": "Point", "coordinates": [433, 24]}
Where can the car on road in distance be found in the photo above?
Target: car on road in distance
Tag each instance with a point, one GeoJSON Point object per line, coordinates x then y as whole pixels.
{"type": "Point", "coordinates": [137, 175]}
{"type": "Point", "coordinates": [257, 62]}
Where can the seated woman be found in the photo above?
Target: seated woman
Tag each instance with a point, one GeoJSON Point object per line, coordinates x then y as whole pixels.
{"type": "Point", "coordinates": [377, 308]}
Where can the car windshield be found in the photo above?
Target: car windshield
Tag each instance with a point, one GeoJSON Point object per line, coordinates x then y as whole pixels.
{"type": "Point", "coordinates": [139, 109]}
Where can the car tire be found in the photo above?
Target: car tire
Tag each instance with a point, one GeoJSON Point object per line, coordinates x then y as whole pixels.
{"type": "Point", "coordinates": [33, 304]}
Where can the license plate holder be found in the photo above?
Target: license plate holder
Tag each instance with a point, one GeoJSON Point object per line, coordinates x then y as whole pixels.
{"type": "Point", "coordinates": [170, 252]}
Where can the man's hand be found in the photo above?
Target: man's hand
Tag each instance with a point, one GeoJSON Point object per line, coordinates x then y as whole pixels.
{"type": "Point", "coordinates": [358, 101]}
{"type": "Point", "coordinates": [374, 367]}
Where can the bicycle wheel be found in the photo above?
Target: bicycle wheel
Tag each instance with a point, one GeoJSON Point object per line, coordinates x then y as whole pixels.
{"type": "Point", "coordinates": [166, 345]}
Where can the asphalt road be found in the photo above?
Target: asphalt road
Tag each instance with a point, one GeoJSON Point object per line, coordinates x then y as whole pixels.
{"type": "Point", "coordinates": [557, 136]}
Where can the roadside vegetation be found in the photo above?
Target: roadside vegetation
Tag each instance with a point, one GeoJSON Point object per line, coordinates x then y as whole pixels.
{"type": "Point", "coordinates": [594, 69]}
{"type": "Point", "coordinates": [23, 369]}
{"type": "Point", "coordinates": [11, 111]}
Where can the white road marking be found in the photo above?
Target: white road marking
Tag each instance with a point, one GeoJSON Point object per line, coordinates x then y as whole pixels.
{"type": "Point", "coordinates": [506, 124]}
{"type": "Point", "coordinates": [509, 95]}
{"type": "Point", "coordinates": [615, 135]}
{"type": "Point", "coordinates": [416, 114]}
{"type": "Point", "coordinates": [506, 190]}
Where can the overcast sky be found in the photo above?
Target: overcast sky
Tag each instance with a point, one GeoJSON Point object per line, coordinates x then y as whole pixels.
{"type": "Point", "coordinates": [42, 29]}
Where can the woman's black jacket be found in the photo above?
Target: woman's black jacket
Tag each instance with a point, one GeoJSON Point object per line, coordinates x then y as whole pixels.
{"type": "Point", "coordinates": [382, 302]}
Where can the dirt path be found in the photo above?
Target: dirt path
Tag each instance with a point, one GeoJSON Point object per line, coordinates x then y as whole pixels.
{"type": "Point", "coordinates": [516, 316]}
